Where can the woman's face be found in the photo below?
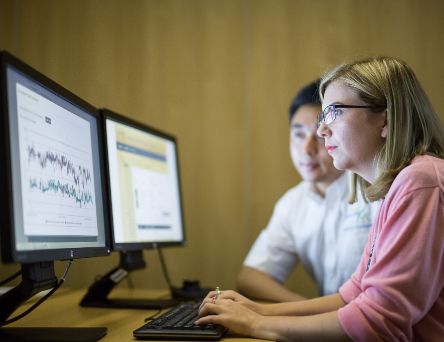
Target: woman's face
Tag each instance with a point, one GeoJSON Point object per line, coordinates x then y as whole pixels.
{"type": "Point", "coordinates": [354, 138]}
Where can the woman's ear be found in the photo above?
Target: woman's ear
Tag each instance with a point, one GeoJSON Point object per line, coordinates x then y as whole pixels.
{"type": "Point", "coordinates": [384, 131]}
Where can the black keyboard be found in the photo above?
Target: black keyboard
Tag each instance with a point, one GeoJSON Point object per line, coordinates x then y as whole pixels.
{"type": "Point", "coordinates": [178, 324]}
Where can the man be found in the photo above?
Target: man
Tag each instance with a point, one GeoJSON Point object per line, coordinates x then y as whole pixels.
{"type": "Point", "coordinates": [312, 223]}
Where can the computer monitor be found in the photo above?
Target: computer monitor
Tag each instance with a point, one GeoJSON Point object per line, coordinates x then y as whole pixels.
{"type": "Point", "coordinates": [52, 203]}
{"type": "Point", "coordinates": [144, 199]}
{"type": "Point", "coordinates": [144, 185]}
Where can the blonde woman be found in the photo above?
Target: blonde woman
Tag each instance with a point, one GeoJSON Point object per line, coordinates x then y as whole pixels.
{"type": "Point", "coordinates": [378, 123]}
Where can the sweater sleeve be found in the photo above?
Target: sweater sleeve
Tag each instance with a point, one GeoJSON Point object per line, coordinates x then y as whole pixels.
{"type": "Point", "coordinates": [407, 274]}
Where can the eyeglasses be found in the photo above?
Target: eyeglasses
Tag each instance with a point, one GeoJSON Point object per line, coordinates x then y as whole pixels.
{"type": "Point", "coordinates": [329, 114]}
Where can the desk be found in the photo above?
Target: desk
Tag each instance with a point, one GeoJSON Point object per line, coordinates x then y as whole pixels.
{"type": "Point", "coordinates": [63, 310]}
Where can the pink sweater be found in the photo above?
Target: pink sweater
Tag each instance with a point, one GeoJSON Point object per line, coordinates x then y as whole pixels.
{"type": "Point", "coordinates": [401, 297]}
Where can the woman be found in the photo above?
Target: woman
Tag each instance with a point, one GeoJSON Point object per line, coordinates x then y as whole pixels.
{"type": "Point", "coordinates": [378, 123]}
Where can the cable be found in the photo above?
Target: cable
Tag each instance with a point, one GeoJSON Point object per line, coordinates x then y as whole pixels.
{"type": "Point", "coordinates": [62, 279]}
{"type": "Point", "coordinates": [164, 268]}
{"type": "Point", "coordinates": [41, 300]}
{"type": "Point", "coordinates": [12, 277]}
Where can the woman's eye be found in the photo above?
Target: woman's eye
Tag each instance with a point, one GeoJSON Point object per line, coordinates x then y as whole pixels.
{"type": "Point", "coordinates": [338, 111]}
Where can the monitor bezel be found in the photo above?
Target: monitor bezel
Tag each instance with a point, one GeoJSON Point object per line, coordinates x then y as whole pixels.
{"type": "Point", "coordinates": [132, 246]}
{"type": "Point", "coordinates": [8, 241]}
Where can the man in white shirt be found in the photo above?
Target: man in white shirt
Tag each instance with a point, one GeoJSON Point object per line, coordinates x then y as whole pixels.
{"type": "Point", "coordinates": [312, 223]}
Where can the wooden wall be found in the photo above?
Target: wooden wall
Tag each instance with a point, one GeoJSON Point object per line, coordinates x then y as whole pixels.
{"type": "Point", "coordinates": [220, 76]}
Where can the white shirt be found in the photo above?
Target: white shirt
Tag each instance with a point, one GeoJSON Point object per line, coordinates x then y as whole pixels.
{"type": "Point", "coordinates": [326, 235]}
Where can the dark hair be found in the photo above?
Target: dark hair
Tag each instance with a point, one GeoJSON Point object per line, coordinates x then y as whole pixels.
{"type": "Point", "coordinates": [307, 95]}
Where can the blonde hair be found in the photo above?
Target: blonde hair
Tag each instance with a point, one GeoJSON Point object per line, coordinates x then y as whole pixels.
{"type": "Point", "coordinates": [413, 126]}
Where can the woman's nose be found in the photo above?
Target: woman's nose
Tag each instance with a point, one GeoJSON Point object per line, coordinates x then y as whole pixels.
{"type": "Point", "coordinates": [323, 130]}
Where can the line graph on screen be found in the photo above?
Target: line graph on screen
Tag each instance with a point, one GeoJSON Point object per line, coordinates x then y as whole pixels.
{"type": "Point", "coordinates": [58, 187]}
{"type": "Point", "coordinates": [72, 181]}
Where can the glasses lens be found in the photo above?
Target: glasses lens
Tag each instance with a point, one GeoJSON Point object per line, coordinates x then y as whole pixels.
{"type": "Point", "coordinates": [327, 116]}
{"type": "Point", "coordinates": [331, 115]}
{"type": "Point", "coordinates": [320, 118]}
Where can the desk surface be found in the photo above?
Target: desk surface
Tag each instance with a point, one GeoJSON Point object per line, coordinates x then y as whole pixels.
{"type": "Point", "coordinates": [63, 310]}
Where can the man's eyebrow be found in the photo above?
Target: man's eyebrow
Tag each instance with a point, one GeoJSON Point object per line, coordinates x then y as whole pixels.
{"type": "Point", "coordinates": [297, 125]}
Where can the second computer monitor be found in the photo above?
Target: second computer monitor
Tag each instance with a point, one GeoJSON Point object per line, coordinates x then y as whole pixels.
{"type": "Point", "coordinates": [145, 195]}
{"type": "Point", "coordinates": [144, 201]}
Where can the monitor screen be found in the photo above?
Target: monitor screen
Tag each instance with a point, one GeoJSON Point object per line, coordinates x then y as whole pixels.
{"type": "Point", "coordinates": [52, 169]}
{"type": "Point", "coordinates": [144, 185]}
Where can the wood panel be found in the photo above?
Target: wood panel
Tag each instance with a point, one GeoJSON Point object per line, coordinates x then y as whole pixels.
{"type": "Point", "coordinates": [220, 76]}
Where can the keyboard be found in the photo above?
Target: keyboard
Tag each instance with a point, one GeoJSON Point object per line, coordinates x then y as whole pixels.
{"type": "Point", "coordinates": [178, 324]}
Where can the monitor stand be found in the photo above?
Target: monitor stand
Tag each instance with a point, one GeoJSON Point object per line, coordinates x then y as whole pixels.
{"type": "Point", "coordinates": [190, 291]}
{"type": "Point", "coordinates": [37, 277]}
{"type": "Point", "coordinates": [97, 295]}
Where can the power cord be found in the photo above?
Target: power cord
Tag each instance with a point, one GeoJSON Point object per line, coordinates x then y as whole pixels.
{"type": "Point", "coordinates": [164, 268]}
{"type": "Point", "coordinates": [41, 300]}
{"type": "Point", "coordinates": [167, 278]}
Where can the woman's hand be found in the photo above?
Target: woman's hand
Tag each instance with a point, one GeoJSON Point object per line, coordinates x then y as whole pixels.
{"type": "Point", "coordinates": [235, 297]}
{"type": "Point", "coordinates": [314, 320]}
{"type": "Point", "coordinates": [232, 314]}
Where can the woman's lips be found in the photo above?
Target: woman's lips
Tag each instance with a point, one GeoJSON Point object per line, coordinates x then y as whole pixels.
{"type": "Point", "coordinates": [330, 148]}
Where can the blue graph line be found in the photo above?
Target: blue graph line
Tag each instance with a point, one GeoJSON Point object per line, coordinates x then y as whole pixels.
{"type": "Point", "coordinates": [68, 190]}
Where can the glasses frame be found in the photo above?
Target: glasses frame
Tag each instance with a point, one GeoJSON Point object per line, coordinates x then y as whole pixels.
{"type": "Point", "coordinates": [322, 115]}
